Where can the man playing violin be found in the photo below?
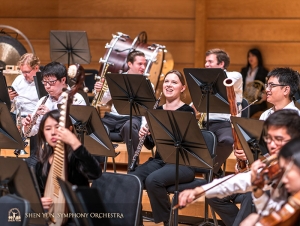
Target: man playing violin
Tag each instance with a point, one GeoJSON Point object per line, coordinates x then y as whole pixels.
{"type": "Point", "coordinates": [281, 210]}
{"type": "Point", "coordinates": [280, 127]}
{"type": "Point", "coordinates": [115, 122]}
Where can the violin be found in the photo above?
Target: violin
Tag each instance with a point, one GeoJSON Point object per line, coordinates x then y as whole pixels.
{"type": "Point", "coordinates": [287, 215]}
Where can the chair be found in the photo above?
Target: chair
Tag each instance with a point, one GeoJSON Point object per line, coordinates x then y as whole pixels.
{"type": "Point", "coordinates": [13, 210]}
{"type": "Point", "coordinates": [210, 139]}
{"type": "Point", "coordinates": [120, 193]}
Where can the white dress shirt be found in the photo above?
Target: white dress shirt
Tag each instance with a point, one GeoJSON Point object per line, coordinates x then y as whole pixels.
{"type": "Point", "coordinates": [270, 111]}
{"type": "Point", "coordinates": [28, 97]}
{"type": "Point", "coordinates": [51, 104]}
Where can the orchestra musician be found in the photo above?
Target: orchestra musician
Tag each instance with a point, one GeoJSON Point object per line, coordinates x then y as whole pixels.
{"type": "Point", "coordinates": [155, 174]}
{"type": "Point", "coordinates": [81, 167]}
{"type": "Point", "coordinates": [115, 122]}
{"type": "Point", "coordinates": [289, 162]}
{"type": "Point", "coordinates": [281, 126]}
{"type": "Point", "coordinates": [54, 78]}
{"type": "Point", "coordinates": [23, 92]}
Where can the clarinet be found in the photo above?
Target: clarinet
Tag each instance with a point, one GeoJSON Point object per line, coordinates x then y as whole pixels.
{"type": "Point", "coordinates": [34, 118]}
{"type": "Point", "coordinates": [141, 142]}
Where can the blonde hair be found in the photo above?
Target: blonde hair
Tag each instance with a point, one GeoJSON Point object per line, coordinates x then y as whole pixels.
{"type": "Point", "coordinates": [29, 59]}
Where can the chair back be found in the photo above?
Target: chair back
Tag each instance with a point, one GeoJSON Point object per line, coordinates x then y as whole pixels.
{"type": "Point", "coordinates": [120, 194]}
{"type": "Point", "coordinates": [13, 210]}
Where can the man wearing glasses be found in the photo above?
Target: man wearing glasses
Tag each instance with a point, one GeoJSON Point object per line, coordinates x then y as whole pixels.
{"type": "Point", "coordinates": [54, 78]}
{"type": "Point", "coordinates": [280, 127]}
{"type": "Point", "coordinates": [282, 85]}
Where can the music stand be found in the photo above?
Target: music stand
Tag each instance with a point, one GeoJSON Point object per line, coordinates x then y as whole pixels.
{"type": "Point", "coordinates": [132, 94]}
{"type": "Point", "coordinates": [40, 88]}
{"type": "Point", "coordinates": [249, 132]}
{"type": "Point", "coordinates": [207, 90]}
{"type": "Point", "coordinates": [10, 137]}
{"type": "Point", "coordinates": [17, 178]}
{"type": "Point", "coordinates": [91, 131]}
{"type": "Point", "coordinates": [4, 97]}
{"type": "Point", "coordinates": [178, 140]}
{"type": "Point", "coordinates": [69, 47]}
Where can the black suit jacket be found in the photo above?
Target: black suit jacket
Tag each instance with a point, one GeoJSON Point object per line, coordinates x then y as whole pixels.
{"type": "Point", "coordinates": [261, 75]}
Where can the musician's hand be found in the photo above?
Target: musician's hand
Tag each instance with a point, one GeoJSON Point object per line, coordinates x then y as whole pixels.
{"type": "Point", "coordinates": [255, 166]}
{"type": "Point", "coordinates": [66, 136]}
{"type": "Point", "coordinates": [46, 202]}
{"type": "Point", "coordinates": [12, 94]}
{"type": "Point", "coordinates": [236, 169]}
{"type": "Point", "coordinates": [42, 110]}
{"type": "Point", "coordinates": [98, 85]}
{"type": "Point", "coordinates": [250, 220]}
{"type": "Point", "coordinates": [240, 154]}
{"type": "Point", "coordinates": [188, 196]}
{"type": "Point", "coordinates": [144, 131]}
{"type": "Point", "coordinates": [26, 121]}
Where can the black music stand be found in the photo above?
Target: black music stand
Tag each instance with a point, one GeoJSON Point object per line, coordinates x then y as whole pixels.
{"type": "Point", "coordinates": [40, 88]}
{"type": "Point", "coordinates": [4, 97]}
{"type": "Point", "coordinates": [207, 90]}
{"type": "Point", "coordinates": [69, 47]}
{"type": "Point", "coordinates": [91, 131]}
{"type": "Point", "coordinates": [10, 137]}
{"type": "Point", "coordinates": [16, 177]}
{"type": "Point", "coordinates": [178, 140]}
{"type": "Point", "coordinates": [132, 94]}
{"type": "Point", "coordinates": [249, 132]}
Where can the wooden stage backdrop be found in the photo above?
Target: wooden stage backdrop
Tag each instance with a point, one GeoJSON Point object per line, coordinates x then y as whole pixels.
{"type": "Point", "coordinates": [186, 27]}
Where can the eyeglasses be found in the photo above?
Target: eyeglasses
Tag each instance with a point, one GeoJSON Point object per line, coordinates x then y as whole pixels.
{"type": "Point", "coordinates": [26, 72]}
{"type": "Point", "coordinates": [272, 85]}
{"type": "Point", "coordinates": [50, 83]}
{"type": "Point", "coordinates": [277, 140]}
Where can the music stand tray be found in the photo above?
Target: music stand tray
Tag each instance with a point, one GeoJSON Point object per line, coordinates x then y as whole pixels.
{"type": "Point", "coordinates": [249, 132]}
{"type": "Point", "coordinates": [15, 174]}
{"type": "Point", "coordinates": [69, 47]}
{"type": "Point", "coordinates": [207, 89]}
{"type": "Point", "coordinates": [91, 131]}
{"type": "Point", "coordinates": [4, 97]}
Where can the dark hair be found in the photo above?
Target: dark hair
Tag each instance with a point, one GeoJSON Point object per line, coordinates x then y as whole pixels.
{"type": "Point", "coordinates": [221, 56]}
{"type": "Point", "coordinates": [179, 75]}
{"type": "Point", "coordinates": [55, 69]}
{"type": "Point", "coordinates": [44, 150]}
{"type": "Point", "coordinates": [290, 151]}
{"type": "Point", "coordinates": [256, 53]}
{"type": "Point", "coordinates": [131, 56]}
{"type": "Point", "coordinates": [286, 76]}
{"type": "Point", "coordinates": [286, 118]}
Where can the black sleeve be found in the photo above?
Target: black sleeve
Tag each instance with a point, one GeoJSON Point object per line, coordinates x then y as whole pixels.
{"type": "Point", "coordinates": [88, 163]}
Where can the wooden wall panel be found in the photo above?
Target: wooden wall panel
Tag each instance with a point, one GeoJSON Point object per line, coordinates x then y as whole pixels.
{"type": "Point", "coordinates": [253, 30]}
{"type": "Point", "coordinates": [253, 9]}
{"type": "Point", "coordinates": [127, 9]}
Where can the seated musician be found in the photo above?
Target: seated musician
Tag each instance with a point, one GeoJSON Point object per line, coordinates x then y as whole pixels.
{"type": "Point", "coordinates": [281, 126]}
{"type": "Point", "coordinates": [271, 208]}
{"type": "Point", "coordinates": [155, 174]}
{"type": "Point", "coordinates": [281, 97]}
{"type": "Point", "coordinates": [115, 122]}
{"type": "Point", "coordinates": [54, 77]}
{"type": "Point", "coordinates": [81, 166]}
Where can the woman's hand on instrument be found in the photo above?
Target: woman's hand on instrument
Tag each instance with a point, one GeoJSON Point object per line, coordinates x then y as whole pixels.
{"type": "Point", "coordinates": [42, 110]}
{"type": "Point", "coordinates": [144, 131]}
{"type": "Point", "coordinates": [46, 202]}
{"type": "Point", "coordinates": [188, 196]}
{"type": "Point", "coordinates": [26, 121]}
{"type": "Point", "coordinates": [240, 154]}
{"type": "Point", "coordinates": [98, 85]}
{"type": "Point", "coordinates": [66, 136]}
